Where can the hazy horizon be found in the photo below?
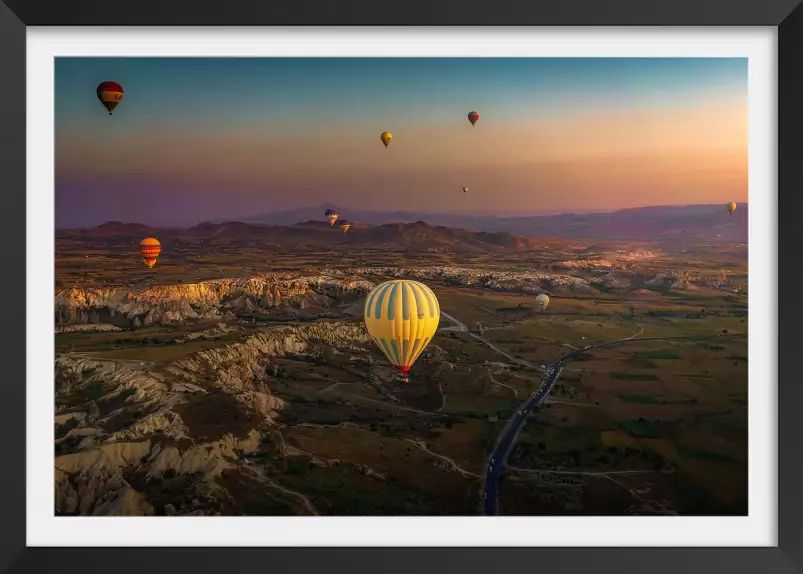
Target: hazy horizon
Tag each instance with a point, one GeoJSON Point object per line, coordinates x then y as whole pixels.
{"type": "Point", "coordinates": [344, 214]}
{"type": "Point", "coordinates": [200, 139]}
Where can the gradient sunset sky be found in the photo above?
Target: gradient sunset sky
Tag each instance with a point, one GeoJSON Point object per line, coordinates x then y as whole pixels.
{"type": "Point", "coordinates": [197, 139]}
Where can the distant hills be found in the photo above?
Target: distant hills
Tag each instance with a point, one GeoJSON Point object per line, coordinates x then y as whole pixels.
{"type": "Point", "coordinates": [673, 224]}
{"type": "Point", "coordinates": [654, 223]}
{"type": "Point", "coordinates": [418, 235]}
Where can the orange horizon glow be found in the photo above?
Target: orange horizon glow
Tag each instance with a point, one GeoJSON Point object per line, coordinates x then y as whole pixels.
{"type": "Point", "coordinates": [655, 143]}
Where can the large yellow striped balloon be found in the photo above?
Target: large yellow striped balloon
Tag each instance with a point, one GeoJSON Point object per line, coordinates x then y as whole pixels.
{"type": "Point", "coordinates": [402, 317]}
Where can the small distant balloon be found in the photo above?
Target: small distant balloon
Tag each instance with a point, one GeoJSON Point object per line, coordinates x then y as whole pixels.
{"type": "Point", "coordinates": [332, 216]}
{"type": "Point", "coordinates": [473, 117]}
{"type": "Point", "coordinates": [542, 301]}
{"type": "Point", "coordinates": [386, 138]}
{"type": "Point", "coordinates": [465, 189]}
{"type": "Point", "coordinates": [110, 94]}
{"type": "Point", "coordinates": [150, 249]}
{"type": "Point", "coordinates": [731, 207]}
{"type": "Point", "coordinates": [402, 317]}
{"type": "Point", "coordinates": [345, 225]}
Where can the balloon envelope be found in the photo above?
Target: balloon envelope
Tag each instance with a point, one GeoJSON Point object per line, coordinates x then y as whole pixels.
{"type": "Point", "coordinates": [110, 94]}
{"type": "Point", "coordinates": [345, 225]}
{"type": "Point", "coordinates": [402, 317]}
{"type": "Point", "coordinates": [150, 249]}
{"type": "Point", "coordinates": [386, 138]}
{"type": "Point", "coordinates": [731, 207]}
{"type": "Point", "coordinates": [473, 117]}
{"type": "Point", "coordinates": [542, 301]}
{"type": "Point", "coordinates": [332, 216]}
{"type": "Point", "coordinates": [465, 189]}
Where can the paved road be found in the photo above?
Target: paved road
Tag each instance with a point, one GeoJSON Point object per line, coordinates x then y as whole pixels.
{"type": "Point", "coordinates": [460, 324]}
{"type": "Point", "coordinates": [493, 470]}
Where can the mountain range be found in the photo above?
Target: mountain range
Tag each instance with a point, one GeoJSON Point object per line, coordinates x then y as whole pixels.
{"type": "Point", "coordinates": [694, 223]}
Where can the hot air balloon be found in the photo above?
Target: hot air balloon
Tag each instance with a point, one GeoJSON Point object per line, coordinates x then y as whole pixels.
{"type": "Point", "coordinates": [402, 316]}
{"type": "Point", "coordinates": [332, 216]}
{"type": "Point", "coordinates": [465, 189]}
{"type": "Point", "coordinates": [386, 138]}
{"type": "Point", "coordinates": [110, 94]}
{"type": "Point", "coordinates": [542, 301]}
{"type": "Point", "coordinates": [345, 225]}
{"type": "Point", "coordinates": [731, 207]}
{"type": "Point", "coordinates": [473, 117]}
{"type": "Point", "coordinates": [150, 249]}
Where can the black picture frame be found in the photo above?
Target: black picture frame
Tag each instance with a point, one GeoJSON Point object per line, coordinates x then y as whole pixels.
{"type": "Point", "coordinates": [15, 15]}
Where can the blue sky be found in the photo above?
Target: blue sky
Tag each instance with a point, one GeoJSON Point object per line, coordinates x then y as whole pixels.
{"type": "Point", "coordinates": [185, 120]}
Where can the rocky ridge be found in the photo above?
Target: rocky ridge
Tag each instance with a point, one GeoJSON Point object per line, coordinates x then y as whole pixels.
{"type": "Point", "coordinates": [530, 282]}
{"type": "Point", "coordinates": [204, 300]}
{"type": "Point", "coordinates": [101, 447]}
{"type": "Point", "coordinates": [536, 281]}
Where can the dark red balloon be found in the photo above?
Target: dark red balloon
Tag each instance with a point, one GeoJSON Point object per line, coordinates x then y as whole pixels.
{"type": "Point", "coordinates": [473, 117]}
{"type": "Point", "coordinates": [110, 94]}
{"type": "Point", "coordinates": [110, 87]}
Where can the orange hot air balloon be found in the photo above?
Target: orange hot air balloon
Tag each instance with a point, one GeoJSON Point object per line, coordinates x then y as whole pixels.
{"type": "Point", "coordinates": [110, 94]}
{"type": "Point", "coordinates": [345, 225]}
{"type": "Point", "coordinates": [473, 117]}
{"type": "Point", "coordinates": [150, 249]}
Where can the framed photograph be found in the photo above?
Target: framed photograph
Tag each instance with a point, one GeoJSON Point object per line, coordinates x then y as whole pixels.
{"type": "Point", "coordinates": [328, 290]}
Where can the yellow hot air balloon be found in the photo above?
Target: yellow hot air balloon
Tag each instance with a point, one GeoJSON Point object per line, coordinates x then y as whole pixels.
{"type": "Point", "coordinates": [386, 138]}
{"type": "Point", "coordinates": [402, 316]}
{"type": "Point", "coordinates": [731, 207]}
{"type": "Point", "coordinates": [542, 301]}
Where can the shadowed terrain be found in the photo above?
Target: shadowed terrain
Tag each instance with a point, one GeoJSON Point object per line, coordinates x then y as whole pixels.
{"type": "Point", "coordinates": [236, 376]}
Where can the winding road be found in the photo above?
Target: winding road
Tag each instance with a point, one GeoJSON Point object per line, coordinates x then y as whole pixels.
{"type": "Point", "coordinates": [464, 329]}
